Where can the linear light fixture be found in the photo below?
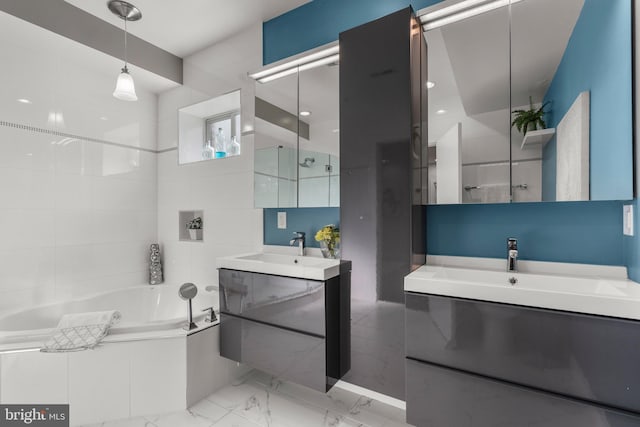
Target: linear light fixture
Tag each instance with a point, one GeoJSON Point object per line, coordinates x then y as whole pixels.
{"type": "Point", "coordinates": [459, 11]}
{"type": "Point", "coordinates": [306, 62]}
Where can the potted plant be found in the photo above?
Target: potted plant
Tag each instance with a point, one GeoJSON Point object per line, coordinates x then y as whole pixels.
{"type": "Point", "coordinates": [329, 238]}
{"type": "Point", "coordinates": [531, 119]}
{"type": "Point", "coordinates": [195, 228]}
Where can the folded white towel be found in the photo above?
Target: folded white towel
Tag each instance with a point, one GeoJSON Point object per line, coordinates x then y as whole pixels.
{"type": "Point", "coordinates": [92, 318]}
{"type": "Point", "coordinates": [80, 331]}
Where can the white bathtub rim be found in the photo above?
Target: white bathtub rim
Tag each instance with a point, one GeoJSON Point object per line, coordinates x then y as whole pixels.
{"type": "Point", "coordinates": [102, 293]}
{"type": "Point", "coordinates": [35, 343]}
{"type": "Point", "coordinates": [9, 337]}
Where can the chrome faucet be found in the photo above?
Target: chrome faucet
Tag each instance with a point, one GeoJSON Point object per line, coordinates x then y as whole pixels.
{"type": "Point", "coordinates": [299, 239]}
{"type": "Point", "coordinates": [512, 254]}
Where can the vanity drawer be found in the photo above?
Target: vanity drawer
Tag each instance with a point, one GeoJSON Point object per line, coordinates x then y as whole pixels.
{"type": "Point", "coordinates": [282, 301]}
{"type": "Point", "coordinates": [283, 353]}
{"type": "Point", "coordinates": [588, 357]}
{"type": "Point", "coordinates": [442, 397]}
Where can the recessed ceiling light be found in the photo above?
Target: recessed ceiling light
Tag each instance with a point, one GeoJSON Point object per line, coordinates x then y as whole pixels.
{"type": "Point", "coordinates": [430, 85]}
{"type": "Point", "coordinates": [305, 113]}
{"type": "Point", "coordinates": [23, 101]}
{"type": "Point", "coordinates": [104, 118]}
{"type": "Point", "coordinates": [441, 111]}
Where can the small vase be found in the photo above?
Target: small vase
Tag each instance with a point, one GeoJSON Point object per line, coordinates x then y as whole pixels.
{"type": "Point", "coordinates": [333, 252]}
{"type": "Point", "coordinates": [193, 234]}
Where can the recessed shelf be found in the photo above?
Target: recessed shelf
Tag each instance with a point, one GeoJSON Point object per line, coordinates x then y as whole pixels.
{"type": "Point", "coordinates": [537, 138]}
{"type": "Point", "coordinates": [184, 234]}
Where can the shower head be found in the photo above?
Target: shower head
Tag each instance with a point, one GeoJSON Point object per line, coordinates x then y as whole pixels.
{"type": "Point", "coordinates": [308, 162]}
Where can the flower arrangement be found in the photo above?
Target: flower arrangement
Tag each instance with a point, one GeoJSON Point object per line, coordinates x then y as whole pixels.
{"type": "Point", "coordinates": [195, 224]}
{"type": "Point", "coordinates": [329, 238]}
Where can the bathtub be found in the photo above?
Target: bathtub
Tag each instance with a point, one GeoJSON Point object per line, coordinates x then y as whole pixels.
{"type": "Point", "coordinates": [147, 311]}
{"type": "Point", "coordinates": [148, 363]}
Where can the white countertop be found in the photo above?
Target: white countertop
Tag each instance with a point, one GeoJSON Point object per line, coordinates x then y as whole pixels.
{"type": "Point", "coordinates": [589, 289]}
{"type": "Point", "coordinates": [304, 267]}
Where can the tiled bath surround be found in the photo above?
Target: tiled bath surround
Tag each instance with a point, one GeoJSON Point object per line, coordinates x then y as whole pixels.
{"type": "Point", "coordinates": [76, 214]}
{"type": "Point", "coordinates": [120, 379]}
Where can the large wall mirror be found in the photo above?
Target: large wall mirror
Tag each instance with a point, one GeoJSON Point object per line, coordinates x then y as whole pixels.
{"type": "Point", "coordinates": [530, 102]}
{"type": "Point", "coordinates": [297, 139]}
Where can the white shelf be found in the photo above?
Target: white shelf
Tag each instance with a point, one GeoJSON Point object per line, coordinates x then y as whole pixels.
{"type": "Point", "coordinates": [537, 138]}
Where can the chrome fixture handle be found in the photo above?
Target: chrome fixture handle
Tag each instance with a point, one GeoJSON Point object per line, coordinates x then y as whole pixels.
{"type": "Point", "coordinates": [512, 254]}
{"type": "Point", "coordinates": [211, 315]}
{"type": "Point", "coordinates": [187, 292]}
{"type": "Point", "coordinates": [299, 238]}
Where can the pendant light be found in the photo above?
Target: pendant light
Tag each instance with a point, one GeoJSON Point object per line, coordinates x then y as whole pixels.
{"type": "Point", "coordinates": [125, 88]}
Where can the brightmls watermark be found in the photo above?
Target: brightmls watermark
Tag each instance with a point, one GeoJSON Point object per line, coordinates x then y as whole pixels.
{"type": "Point", "coordinates": [34, 415]}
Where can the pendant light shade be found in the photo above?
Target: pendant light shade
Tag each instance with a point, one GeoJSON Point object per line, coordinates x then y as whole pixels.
{"type": "Point", "coordinates": [125, 88]}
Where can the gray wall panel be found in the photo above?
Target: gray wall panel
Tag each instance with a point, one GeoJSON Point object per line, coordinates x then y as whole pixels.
{"type": "Point", "coordinates": [382, 92]}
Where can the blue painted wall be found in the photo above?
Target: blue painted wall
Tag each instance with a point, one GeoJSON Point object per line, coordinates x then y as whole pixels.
{"type": "Point", "coordinates": [320, 21]}
{"type": "Point", "coordinates": [591, 64]}
{"type": "Point", "coordinates": [309, 220]}
{"type": "Point", "coordinates": [581, 232]}
{"type": "Point", "coordinates": [549, 171]}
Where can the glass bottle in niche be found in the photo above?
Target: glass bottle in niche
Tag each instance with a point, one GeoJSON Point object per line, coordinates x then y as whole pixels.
{"type": "Point", "coordinates": [220, 145]}
{"type": "Point", "coordinates": [207, 150]}
{"type": "Point", "coordinates": [234, 147]}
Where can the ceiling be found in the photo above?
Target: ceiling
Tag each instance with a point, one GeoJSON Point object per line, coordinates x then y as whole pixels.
{"type": "Point", "coordinates": [27, 41]}
{"type": "Point", "coordinates": [194, 25]}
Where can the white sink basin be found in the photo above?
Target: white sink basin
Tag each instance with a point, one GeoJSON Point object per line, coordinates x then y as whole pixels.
{"type": "Point", "coordinates": [304, 267]}
{"type": "Point", "coordinates": [535, 287]}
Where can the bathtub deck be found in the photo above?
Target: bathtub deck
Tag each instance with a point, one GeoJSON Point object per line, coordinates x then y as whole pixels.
{"type": "Point", "coordinates": [260, 401]}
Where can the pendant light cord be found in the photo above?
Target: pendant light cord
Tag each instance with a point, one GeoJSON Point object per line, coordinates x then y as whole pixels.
{"type": "Point", "coordinates": [125, 42]}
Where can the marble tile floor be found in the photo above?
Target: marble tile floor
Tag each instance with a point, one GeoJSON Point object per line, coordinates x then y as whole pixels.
{"type": "Point", "coordinates": [258, 400]}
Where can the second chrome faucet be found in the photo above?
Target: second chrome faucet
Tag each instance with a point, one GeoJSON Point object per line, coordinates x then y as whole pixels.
{"type": "Point", "coordinates": [512, 254]}
{"type": "Point", "coordinates": [298, 237]}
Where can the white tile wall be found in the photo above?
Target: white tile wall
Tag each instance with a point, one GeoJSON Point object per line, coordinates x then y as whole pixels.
{"type": "Point", "coordinates": [70, 209]}
{"type": "Point", "coordinates": [223, 188]}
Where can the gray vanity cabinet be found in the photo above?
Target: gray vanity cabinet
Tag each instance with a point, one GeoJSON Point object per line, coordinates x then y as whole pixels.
{"type": "Point", "coordinates": [489, 361]}
{"type": "Point", "coordinates": [442, 397]}
{"type": "Point", "coordinates": [295, 329]}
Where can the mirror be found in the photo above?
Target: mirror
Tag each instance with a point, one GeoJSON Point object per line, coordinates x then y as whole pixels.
{"type": "Point", "coordinates": [563, 79]}
{"type": "Point", "coordinates": [276, 143]}
{"type": "Point", "coordinates": [318, 155]}
{"type": "Point", "coordinates": [210, 129]}
{"type": "Point", "coordinates": [297, 140]}
{"type": "Point", "coordinates": [468, 105]}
